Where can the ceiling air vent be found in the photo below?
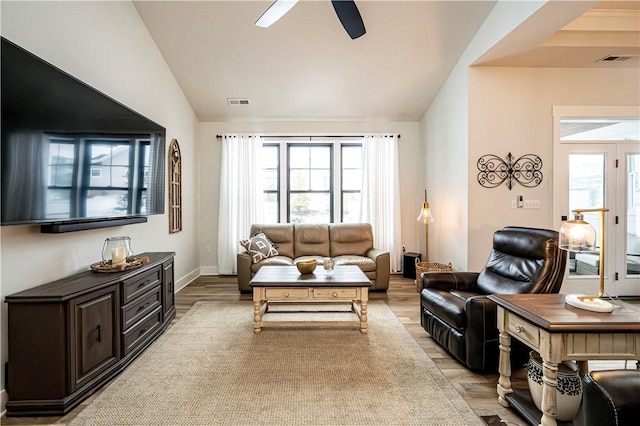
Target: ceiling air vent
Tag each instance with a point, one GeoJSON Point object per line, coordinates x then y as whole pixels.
{"type": "Point", "coordinates": [237, 101]}
{"type": "Point", "coordinates": [612, 58]}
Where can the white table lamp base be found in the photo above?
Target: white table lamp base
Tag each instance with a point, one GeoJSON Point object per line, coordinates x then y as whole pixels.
{"type": "Point", "coordinates": [596, 305]}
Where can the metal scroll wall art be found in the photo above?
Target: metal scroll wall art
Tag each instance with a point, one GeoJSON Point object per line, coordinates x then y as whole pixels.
{"type": "Point", "coordinates": [526, 171]}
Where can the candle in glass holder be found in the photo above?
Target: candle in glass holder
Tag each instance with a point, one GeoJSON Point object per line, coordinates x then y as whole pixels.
{"type": "Point", "coordinates": [118, 255]}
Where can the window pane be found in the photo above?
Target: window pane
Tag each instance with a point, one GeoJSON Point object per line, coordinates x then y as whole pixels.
{"type": "Point", "coordinates": [271, 180]}
{"type": "Point", "coordinates": [351, 207]}
{"type": "Point", "coordinates": [633, 214]}
{"type": "Point", "coordinates": [270, 157]}
{"type": "Point", "coordinates": [586, 191]}
{"type": "Point", "coordinates": [351, 157]}
{"type": "Point", "coordinates": [298, 157]}
{"type": "Point", "coordinates": [599, 129]}
{"type": "Point", "coordinates": [310, 208]}
{"type": "Point", "coordinates": [271, 207]}
{"type": "Point", "coordinates": [320, 157]}
{"type": "Point", "coordinates": [352, 180]}
{"type": "Point", "coordinates": [320, 180]}
{"type": "Point", "coordinates": [299, 180]}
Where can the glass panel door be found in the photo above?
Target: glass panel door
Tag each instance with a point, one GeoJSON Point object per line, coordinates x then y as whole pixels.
{"type": "Point", "coordinates": [596, 164]}
{"type": "Point", "coordinates": [628, 257]}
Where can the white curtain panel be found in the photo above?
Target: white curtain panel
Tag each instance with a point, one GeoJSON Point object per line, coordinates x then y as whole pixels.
{"type": "Point", "coordinates": [241, 196]}
{"type": "Point", "coordinates": [380, 205]}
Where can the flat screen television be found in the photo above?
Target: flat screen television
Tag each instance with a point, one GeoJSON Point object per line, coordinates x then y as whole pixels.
{"type": "Point", "coordinates": [73, 158]}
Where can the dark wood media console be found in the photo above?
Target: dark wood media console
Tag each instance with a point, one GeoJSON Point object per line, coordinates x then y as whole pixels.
{"type": "Point", "coordinates": [69, 337]}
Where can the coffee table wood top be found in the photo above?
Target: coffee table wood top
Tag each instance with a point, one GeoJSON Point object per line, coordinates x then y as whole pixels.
{"type": "Point", "coordinates": [549, 312]}
{"type": "Point", "coordinates": [289, 276]}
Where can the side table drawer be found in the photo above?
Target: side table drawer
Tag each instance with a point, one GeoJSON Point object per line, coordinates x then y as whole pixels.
{"type": "Point", "coordinates": [287, 293]}
{"type": "Point", "coordinates": [525, 331]}
{"type": "Point", "coordinates": [335, 293]}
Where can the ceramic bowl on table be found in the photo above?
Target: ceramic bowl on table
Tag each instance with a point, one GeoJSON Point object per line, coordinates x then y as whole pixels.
{"type": "Point", "coordinates": [307, 267]}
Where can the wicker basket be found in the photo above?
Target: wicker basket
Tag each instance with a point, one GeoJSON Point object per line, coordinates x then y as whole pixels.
{"type": "Point", "coordinates": [430, 267]}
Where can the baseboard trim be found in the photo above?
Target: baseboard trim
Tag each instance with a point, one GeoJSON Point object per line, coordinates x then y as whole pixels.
{"type": "Point", "coordinates": [187, 279]}
{"type": "Point", "coordinates": [209, 270]}
{"type": "Point", "coordinates": [4, 396]}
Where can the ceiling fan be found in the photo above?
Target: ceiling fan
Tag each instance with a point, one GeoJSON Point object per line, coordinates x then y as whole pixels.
{"type": "Point", "coordinates": [346, 10]}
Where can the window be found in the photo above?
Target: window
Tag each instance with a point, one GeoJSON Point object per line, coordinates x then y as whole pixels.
{"type": "Point", "coordinates": [321, 179]}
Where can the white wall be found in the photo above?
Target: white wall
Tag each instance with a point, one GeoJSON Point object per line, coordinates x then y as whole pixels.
{"type": "Point", "coordinates": [511, 111]}
{"type": "Point", "coordinates": [106, 45]}
{"type": "Point", "coordinates": [445, 133]}
{"type": "Point", "coordinates": [210, 149]}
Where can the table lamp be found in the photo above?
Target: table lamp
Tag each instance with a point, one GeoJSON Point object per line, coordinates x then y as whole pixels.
{"type": "Point", "coordinates": [578, 236]}
{"type": "Point", "coordinates": [425, 217]}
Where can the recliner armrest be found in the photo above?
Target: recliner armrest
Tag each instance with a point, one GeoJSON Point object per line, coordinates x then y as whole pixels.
{"type": "Point", "coordinates": [449, 280]}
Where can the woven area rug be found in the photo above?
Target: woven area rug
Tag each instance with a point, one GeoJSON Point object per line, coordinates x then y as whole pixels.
{"type": "Point", "coordinates": [210, 368]}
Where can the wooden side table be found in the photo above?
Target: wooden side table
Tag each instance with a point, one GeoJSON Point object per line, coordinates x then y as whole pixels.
{"type": "Point", "coordinates": [559, 332]}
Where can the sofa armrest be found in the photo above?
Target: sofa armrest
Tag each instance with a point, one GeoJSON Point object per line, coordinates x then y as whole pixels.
{"type": "Point", "coordinates": [449, 280]}
{"type": "Point", "coordinates": [383, 267]}
{"type": "Point", "coordinates": [244, 272]}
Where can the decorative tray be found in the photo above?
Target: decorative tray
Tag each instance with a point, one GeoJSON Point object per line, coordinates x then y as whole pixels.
{"type": "Point", "coordinates": [132, 263]}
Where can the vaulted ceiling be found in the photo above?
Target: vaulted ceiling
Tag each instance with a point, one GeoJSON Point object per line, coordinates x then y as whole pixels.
{"type": "Point", "coordinates": [305, 67]}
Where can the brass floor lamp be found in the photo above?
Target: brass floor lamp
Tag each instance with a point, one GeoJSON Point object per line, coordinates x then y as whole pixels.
{"type": "Point", "coordinates": [425, 217]}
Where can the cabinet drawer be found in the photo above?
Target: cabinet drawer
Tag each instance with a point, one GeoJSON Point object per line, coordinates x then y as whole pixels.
{"type": "Point", "coordinates": [524, 330]}
{"type": "Point", "coordinates": [335, 293]}
{"type": "Point", "coordinates": [287, 293]}
{"type": "Point", "coordinates": [138, 334]}
{"type": "Point", "coordinates": [138, 309]}
{"type": "Point", "coordinates": [135, 287]}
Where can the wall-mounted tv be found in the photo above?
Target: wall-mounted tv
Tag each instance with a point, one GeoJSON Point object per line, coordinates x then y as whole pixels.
{"type": "Point", "coordinates": [73, 158]}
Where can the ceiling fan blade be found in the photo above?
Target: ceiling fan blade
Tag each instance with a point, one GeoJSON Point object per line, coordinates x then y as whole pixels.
{"type": "Point", "coordinates": [350, 18]}
{"type": "Point", "coordinates": [276, 11]}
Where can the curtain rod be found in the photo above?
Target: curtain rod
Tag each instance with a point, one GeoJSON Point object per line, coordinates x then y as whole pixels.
{"type": "Point", "coordinates": [307, 136]}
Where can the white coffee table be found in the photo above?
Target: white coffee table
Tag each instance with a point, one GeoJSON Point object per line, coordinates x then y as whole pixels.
{"type": "Point", "coordinates": [273, 285]}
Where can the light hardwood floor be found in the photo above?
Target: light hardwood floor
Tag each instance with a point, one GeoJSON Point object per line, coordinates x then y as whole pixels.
{"type": "Point", "coordinates": [479, 390]}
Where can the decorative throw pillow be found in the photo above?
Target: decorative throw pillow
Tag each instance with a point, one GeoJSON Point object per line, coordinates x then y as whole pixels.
{"type": "Point", "coordinates": [259, 247]}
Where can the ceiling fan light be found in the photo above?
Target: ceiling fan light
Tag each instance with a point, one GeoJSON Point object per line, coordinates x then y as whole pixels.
{"type": "Point", "coordinates": [276, 11]}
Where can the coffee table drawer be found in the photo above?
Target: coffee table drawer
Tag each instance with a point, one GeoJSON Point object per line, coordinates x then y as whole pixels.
{"type": "Point", "coordinates": [287, 293]}
{"type": "Point", "coordinates": [335, 293]}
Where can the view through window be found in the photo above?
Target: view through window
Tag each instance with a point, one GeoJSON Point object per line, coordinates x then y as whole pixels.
{"type": "Point", "coordinates": [312, 182]}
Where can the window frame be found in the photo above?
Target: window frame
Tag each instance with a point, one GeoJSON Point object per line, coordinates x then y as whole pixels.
{"type": "Point", "coordinates": [336, 192]}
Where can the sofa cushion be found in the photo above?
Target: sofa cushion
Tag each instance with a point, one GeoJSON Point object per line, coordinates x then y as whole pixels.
{"type": "Point", "coordinates": [366, 264]}
{"type": "Point", "coordinates": [311, 240]}
{"type": "Point", "coordinates": [280, 233]}
{"type": "Point", "coordinates": [350, 238]}
{"type": "Point", "coordinates": [275, 260]}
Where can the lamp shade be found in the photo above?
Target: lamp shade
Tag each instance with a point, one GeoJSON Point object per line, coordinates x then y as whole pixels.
{"type": "Point", "coordinates": [425, 215]}
{"type": "Point", "coordinates": [577, 235]}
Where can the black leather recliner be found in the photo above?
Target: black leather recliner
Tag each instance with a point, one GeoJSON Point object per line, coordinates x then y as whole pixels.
{"type": "Point", "coordinates": [611, 398]}
{"type": "Point", "coordinates": [455, 309]}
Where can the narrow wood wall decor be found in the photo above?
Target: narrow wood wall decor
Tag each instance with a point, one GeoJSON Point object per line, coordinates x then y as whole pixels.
{"type": "Point", "coordinates": [175, 187]}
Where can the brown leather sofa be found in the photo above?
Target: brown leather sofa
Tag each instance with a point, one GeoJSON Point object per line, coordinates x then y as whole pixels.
{"type": "Point", "coordinates": [346, 243]}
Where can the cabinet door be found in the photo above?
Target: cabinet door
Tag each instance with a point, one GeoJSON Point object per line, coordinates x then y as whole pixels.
{"type": "Point", "coordinates": [168, 303]}
{"type": "Point", "coordinates": [96, 334]}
